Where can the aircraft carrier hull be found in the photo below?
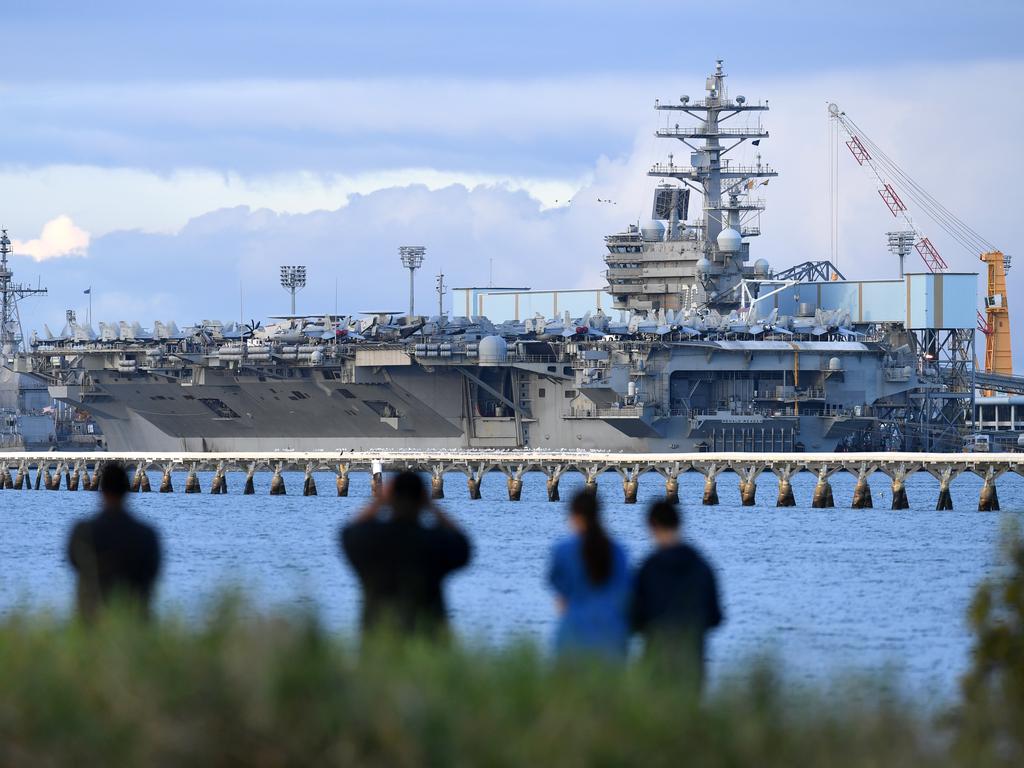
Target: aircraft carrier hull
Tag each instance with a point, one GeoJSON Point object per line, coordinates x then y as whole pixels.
{"type": "Point", "coordinates": [691, 400]}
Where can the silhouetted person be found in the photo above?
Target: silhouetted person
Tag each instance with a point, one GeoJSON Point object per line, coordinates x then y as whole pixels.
{"type": "Point", "coordinates": [675, 598]}
{"type": "Point", "coordinates": [116, 556]}
{"type": "Point", "coordinates": [590, 575]}
{"type": "Point", "coordinates": [402, 559]}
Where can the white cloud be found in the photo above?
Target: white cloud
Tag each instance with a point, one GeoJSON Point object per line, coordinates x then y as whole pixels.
{"type": "Point", "coordinates": [60, 237]}
{"type": "Point", "coordinates": [110, 199]}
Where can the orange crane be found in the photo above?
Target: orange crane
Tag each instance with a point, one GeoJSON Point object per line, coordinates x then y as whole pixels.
{"type": "Point", "coordinates": [894, 184]}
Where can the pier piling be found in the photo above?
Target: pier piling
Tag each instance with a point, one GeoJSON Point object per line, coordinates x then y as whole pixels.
{"type": "Point", "coordinates": [898, 474]}
{"type": "Point", "coordinates": [748, 475]}
{"type": "Point", "coordinates": [988, 499]}
{"type": "Point", "coordinates": [672, 490]}
{"type": "Point", "coordinates": [945, 475]}
{"type": "Point", "coordinates": [861, 490]}
{"type": "Point", "coordinates": [192, 481]}
{"type": "Point", "coordinates": [786, 497]}
{"type": "Point", "coordinates": [823, 498]}
{"type": "Point", "coordinates": [249, 489]}
{"type": "Point", "coordinates": [277, 483]}
{"type": "Point", "coordinates": [81, 471]}
{"type": "Point", "coordinates": [308, 483]}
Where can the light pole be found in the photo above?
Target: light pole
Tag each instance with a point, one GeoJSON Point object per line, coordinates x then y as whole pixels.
{"type": "Point", "coordinates": [442, 289]}
{"type": "Point", "coordinates": [412, 258]}
{"type": "Point", "coordinates": [293, 279]}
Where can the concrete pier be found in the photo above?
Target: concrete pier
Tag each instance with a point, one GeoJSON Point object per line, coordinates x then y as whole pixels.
{"type": "Point", "coordinates": [308, 482]}
{"type": "Point", "coordinates": [989, 497]}
{"type": "Point", "coordinates": [748, 475]}
{"type": "Point", "coordinates": [277, 482]}
{"type": "Point", "coordinates": [711, 472]}
{"type": "Point", "coordinates": [898, 475]}
{"type": "Point", "coordinates": [25, 471]}
{"type": "Point", "coordinates": [784, 472]}
{"type": "Point", "coordinates": [219, 484]}
{"type": "Point", "coordinates": [823, 498]}
{"type": "Point", "coordinates": [862, 491]}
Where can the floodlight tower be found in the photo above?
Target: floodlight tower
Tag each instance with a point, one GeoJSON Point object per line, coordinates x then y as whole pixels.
{"type": "Point", "coordinates": [293, 279]}
{"type": "Point", "coordinates": [412, 259]}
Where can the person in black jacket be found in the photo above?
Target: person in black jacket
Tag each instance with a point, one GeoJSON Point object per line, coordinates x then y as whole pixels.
{"type": "Point", "coordinates": [116, 557]}
{"type": "Point", "coordinates": [402, 559]}
{"type": "Point", "coordinates": [675, 599]}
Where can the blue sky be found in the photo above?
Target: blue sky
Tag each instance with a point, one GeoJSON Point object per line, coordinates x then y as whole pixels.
{"type": "Point", "coordinates": [165, 153]}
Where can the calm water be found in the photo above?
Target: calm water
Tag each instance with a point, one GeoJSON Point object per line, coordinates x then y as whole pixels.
{"type": "Point", "coordinates": [825, 591]}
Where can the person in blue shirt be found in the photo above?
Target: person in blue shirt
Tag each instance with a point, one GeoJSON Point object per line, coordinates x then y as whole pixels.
{"type": "Point", "coordinates": [591, 578]}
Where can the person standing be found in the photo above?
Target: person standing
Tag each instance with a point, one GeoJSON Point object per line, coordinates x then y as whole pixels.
{"type": "Point", "coordinates": [589, 573]}
{"type": "Point", "coordinates": [401, 561]}
{"type": "Point", "coordinates": [116, 557]}
{"type": "Point", "coordinates": [675, 599]}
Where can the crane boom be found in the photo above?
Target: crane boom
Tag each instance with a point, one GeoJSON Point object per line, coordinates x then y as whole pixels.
{"type": "Point", "coordinates": [894, 187]}
{"type": "Point", "coordinates": [858, 147]}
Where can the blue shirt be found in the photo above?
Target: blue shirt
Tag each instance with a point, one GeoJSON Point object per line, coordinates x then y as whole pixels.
{"type": "Point", "coordinates": [596, 617]}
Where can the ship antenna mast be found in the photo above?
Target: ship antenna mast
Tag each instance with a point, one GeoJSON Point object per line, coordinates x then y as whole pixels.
{"type": "Point", "coordinates": [724, 185]}
{"type": "Point", "coordinates": [11, 293]}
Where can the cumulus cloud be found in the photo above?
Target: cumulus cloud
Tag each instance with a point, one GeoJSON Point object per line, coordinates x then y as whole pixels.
{"type": "Point", "coordinates": [60, 237]}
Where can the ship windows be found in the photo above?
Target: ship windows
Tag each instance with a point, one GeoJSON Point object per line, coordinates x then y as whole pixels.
{"type": "Point", "coordinates": [541, 392]}
{"type": "Point", "coordinates": [297, 395]}
{"type": "Point", "coordinates": [347, 393]}
{"type": "Point", "coordinates": [570, 393]}
{"type": "Point", "coordinates": [219, 407]}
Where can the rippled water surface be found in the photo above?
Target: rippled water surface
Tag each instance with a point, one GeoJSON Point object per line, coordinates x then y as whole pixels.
{"type": "Point", "coordinates": [825, 591]}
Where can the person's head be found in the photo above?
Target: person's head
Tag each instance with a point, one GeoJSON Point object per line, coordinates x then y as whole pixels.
{"type": "Point", "coordinates": [114, 484]}
{"type": "Point", "coordinates": [585, 518]}
{"type": "Point", "coordinates": [663, 521]}
{"type": "Point", "coordinates": [408, 496]}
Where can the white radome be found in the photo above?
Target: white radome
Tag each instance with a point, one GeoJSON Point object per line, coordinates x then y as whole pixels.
{"type": "Point", "coordinates": [652, 231]}
{"type": "Point", "coordinates": [729, 240]}
{"type": "Point", "coordinates": [492, 350]}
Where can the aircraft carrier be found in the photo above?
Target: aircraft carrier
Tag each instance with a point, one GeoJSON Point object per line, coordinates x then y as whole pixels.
{"type": "Point", "coordinates": [702, 348]}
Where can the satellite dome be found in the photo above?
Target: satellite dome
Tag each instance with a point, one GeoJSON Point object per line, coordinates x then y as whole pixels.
{"type": "Point", "coordinates": [703, 265]}
{"type": "Point", "coordinates": [652, 231]}
{"type": "Point", "coordinates": [492, 350]}
{"type": "Point", "coordinates": [761, 267]}
{"type": "Point", "coordinates": [835, 364]}
{"type": "Point", "coordinates": [729, 240]}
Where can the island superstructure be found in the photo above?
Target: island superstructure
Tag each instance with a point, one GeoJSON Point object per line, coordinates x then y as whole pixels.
{"type": "Point", "coordinates": [709, 350]}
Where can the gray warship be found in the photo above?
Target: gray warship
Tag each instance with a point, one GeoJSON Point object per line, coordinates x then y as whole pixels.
{"type": "Point", "coordinates": [702, 348]}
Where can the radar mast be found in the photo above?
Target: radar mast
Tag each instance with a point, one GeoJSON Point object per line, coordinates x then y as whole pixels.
{"type": "Point", "coordinates": [11, 293]}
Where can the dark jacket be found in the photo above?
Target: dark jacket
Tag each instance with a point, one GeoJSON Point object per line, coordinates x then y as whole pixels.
{"type": "Point", "coordinates": [675, 604]}
{"type": "Point", "coordinates": [401, 565]}
{"type": "Point", "coordinates": [116, 556]}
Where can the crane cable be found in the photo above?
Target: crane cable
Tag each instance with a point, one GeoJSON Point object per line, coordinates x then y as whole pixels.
{"type": "Point", "coordinates": [955, 227]}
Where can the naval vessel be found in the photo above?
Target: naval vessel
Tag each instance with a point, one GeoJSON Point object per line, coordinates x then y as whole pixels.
{"type": "Point", "coordinates": [702, 348]}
